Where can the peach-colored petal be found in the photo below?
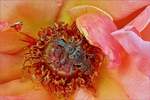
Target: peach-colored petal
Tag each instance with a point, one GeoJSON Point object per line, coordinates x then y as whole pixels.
{"type": "Point", "coordinates": [11, 98]}
{"type": "Point", "coordinates": [10, 41]}
{"type": "Point", "coordinates": [108, 89]}
{"type": "Point", "coordinates": [11, 52]}
{"type": "Point", "coordinates": [10, 66]}
{"type": "Point", "coordinates": [97, 30]}
{"type": "Point", "coordinates": [23, 90]}
{"type": "Point", "coordinates": [16, 87]}
{"type": "Point", "coordinates": [37, 95]}
{"type": "Point", "coordinates": [33, 14]}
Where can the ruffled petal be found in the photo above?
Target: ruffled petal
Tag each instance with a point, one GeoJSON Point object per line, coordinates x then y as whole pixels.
{"type": "Point", "coordinates": [142, 23]}
{"type": "Point", "coordinates": [97, 29]}
{"type": "Point", "coordinates": [131, 42]}
{"type": "Point", "coordinates": [135, 47]}
{"type": "Point", "coordinates": [122, 8]}
{"type": "Point", "coordinates": [136, 77]}
{"type": "Point", "coordinates": [142, 20]}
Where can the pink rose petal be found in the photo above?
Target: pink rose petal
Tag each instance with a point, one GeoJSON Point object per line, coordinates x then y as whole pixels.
{"type": "Point", "coordinates": [142, 20]}
{"type": "Point", "coordinates": [132, 43]}
{"type": "Point", "coordinates": [135, 47]}
{"type": "Point", "coordinates": [136, 76]}
{"type": "Point", "coordinates": [136, 79]}
{"type": "Point", "coordinates": [135, 83]}
{"type": "Point", "coordinates": [142, 23]}
{"type": "Point", "coordinates": [97, 29]}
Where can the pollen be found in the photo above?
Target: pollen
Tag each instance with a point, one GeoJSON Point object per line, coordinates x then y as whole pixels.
{"type": "Point", "coordinates": [62, 60]}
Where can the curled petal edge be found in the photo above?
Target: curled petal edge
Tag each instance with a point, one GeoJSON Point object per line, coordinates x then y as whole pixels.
{"type": "Point", "coordinates": [142, 20]}
{"type": "Point", "coordinates": [84, 9]}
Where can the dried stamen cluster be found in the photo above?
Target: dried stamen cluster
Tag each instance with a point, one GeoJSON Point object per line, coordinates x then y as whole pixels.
{"type": "Point", "coordinates": [62, 60]}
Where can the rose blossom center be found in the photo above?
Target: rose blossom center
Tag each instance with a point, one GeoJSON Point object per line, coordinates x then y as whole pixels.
{"type": "Point", "coordinates": [63, 60]}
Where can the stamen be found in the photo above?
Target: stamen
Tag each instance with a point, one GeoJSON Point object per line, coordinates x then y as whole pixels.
{"type": "Point", "coordinates": [63, 60]}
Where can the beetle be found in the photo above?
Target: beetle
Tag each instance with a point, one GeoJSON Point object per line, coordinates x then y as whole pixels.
{"type": "Point", "coordinates": [75, 53]}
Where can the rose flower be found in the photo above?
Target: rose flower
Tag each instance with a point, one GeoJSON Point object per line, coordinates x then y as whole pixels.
{"type": "Point", "coordinates": [74, 50]}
